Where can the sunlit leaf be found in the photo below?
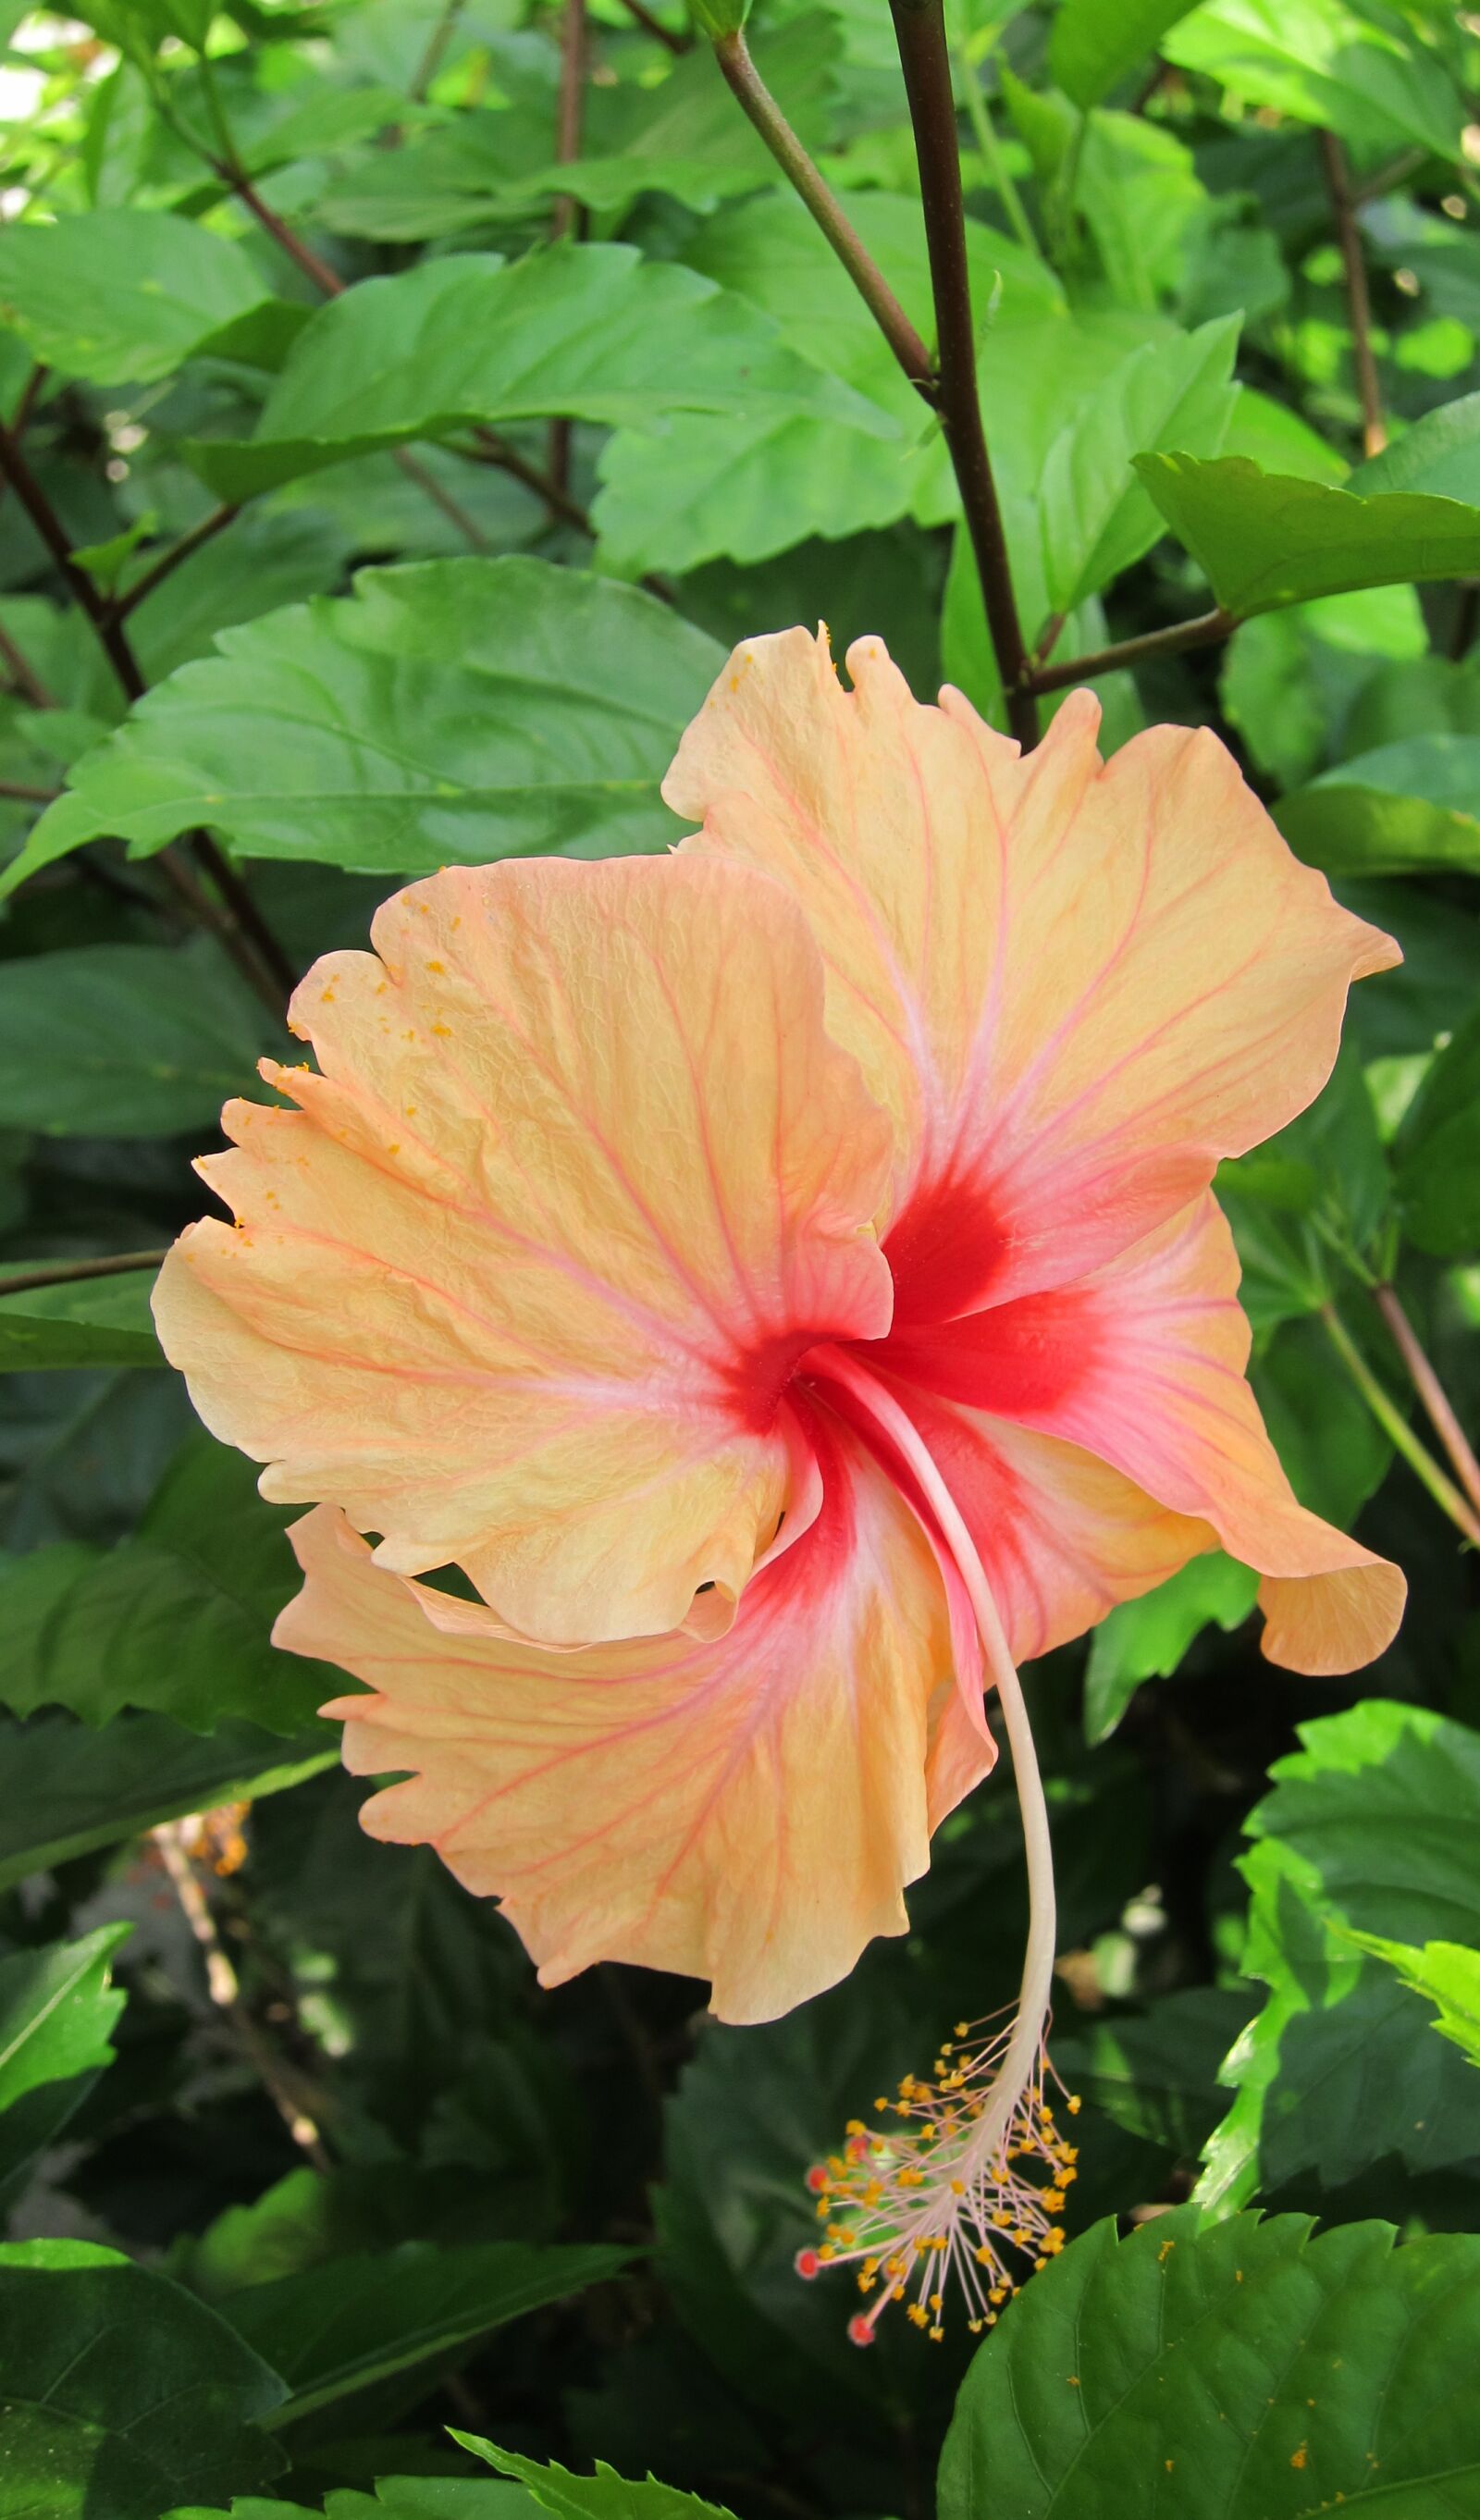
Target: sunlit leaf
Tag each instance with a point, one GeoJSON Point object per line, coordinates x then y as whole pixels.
{"type": "Point", "coordinates": [1336, 64]}
{"type": "Point", "coordinates": [1370, 1826]}
{"type": "Point", "coordinates": [449, 711]}
{"type": "Point", "coordinates": [83, 1320]}
{"type": "Point", "coordinates": [1097, 518]}
{"type": "Point", "coordinates": [121, 296]}
{"type": "Point", "coordinates": [1245, 2371]}
{"type": "Point", "coordinates": [1093, 47]}
{"type": "Point", "coordinates": [1264, 539]}
{"type": "Point", "coordinates": [1409, 808]}
{"type": "Point", "coordinates": [592, 332]}
{"type": "Point", "coordinates": [120, 2395]}
{"type": "Point", "coordinates": [606, 2496]}
{"type": "Point", "coordinates": [58, 2013]}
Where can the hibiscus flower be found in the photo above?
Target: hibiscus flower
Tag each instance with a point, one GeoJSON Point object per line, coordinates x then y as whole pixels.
{"type": "Point", "coordinates": [783, 1278]}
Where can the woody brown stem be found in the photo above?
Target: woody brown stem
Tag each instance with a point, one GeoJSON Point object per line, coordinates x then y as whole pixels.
{"type": "Point", "coordinates": [1354, 264]}
{"type": "Point", "coordinates": [122, 606]}
{"type": "Point", "coordinates": [759, 106]}
{"type": "Point", "coordinates": [568, 217]}
{"type": "Point", "coordinates": [245, 934]}
{"type": "Point", "coordinates": [920, 30]}
{"type": "Point", "coordinates": [1175, 640]}
{"type": "Point", "coordinates": [282, 2086]}
{"type": "Point", "coordinates": [64, 1273]}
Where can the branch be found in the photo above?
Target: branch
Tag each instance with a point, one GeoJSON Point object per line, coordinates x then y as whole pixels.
{"type": "Point", "coordinates": [1431, 1391]}
{"type": "Point", "coordinates": [1349, 237]}
{"type": "Point", "coordinates": [249, 938]}
{"type": "Point", "coordinates": [756, 102]}
{"type": "Point", "coordinates": [989, 147]}
{"type": "Point", "coordinates": [1204, 632]}
{"type": "Point", "coordinates": [919, 29]}
{"type": "Point", "coordinates": [53, 533]}
{"type": "Point", "coordinates": [237, 180]}
{"type": "Point", "coordinates": [283, 2087]}
{"type": "Point", "coordinates": [493, 450]}
{"type": "Point", "coordinates": [66, 1272]}
{"type": "Point", "coordinates": [453, 508]}
{"type": "Point", "coordinates": [436, 45]}
{"type": "Point", "coordinates": [1396, 172]}
{"type": "Point", "coordinates": [569, 110]}
{"type": "Point", "coordinates": [568, 217]}
{"type": "Point", "coordinates": [23, 673]}
{"type": "Point", "coordinates": [1399, 1432]}
{"type": "Point", "coordinates": [25, 794]}
{"type": "Point", "coordinates": [675, 43]}
{"type": "Point", "coordinates": [122, 606]}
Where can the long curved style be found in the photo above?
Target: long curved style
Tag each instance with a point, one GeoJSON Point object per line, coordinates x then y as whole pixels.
{"type": "Point", "coordinates": [784, 1279]}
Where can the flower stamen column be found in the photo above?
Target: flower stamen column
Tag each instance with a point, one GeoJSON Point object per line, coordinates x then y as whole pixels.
{"type": "Point", "coordinates": [955, 2209]}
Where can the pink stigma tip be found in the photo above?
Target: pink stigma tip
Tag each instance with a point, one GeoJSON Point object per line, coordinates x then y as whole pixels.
{"type": "Point", "coordinates": [808, 2265]}
{"type": "Point", "coordinates": [860, 2330]}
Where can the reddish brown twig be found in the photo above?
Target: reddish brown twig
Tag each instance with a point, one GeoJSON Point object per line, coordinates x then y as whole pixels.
{"type": "Point", "coordinates": [1358, 306]}
{"type": "Point", "coordinates": [1174, 640]}
{"type": "Point", "coordinates": [1436, 1400]}
{"type": "Point", "coordinates": [920, 30]}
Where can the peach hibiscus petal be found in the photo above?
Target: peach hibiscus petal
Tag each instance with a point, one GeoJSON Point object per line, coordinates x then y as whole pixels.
{"type": "Point", "coordinates": [1062, 1536]}
{"type": "Point", "coordinates": [1075, 985]}
{"type": "Point", "coordinates": [520, 1282]}
{"type": "Point", "coordinates": [1142, 1365]}
{"type": "Point", "coordinates": [746, 1808]}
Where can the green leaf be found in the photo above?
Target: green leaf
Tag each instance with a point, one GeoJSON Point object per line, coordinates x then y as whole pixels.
{"type": "Point", "coordinates": [1138, 192]}
{"type": "Point", "coordinates": [1447, 1974]}
{"type": "Point", "coordinates": [1440, 453]}
{"type": "Point", "coordinates": [176, 1620]}
{"type": "Point", "coordinates": [1437, 1151]}
{"type": "Point", "coordinates": [1097, 518]}
{"type": "Point", "coordinates": [263, 563]}
{"type": "Point", "coordinates": [1330, 1446]}
{"type": "Point", "coordinates": [1353, 68]}
{"type": "Point", "coordinates": [1263, 539]}
{"type": "Point", "coordinates": [122, 295]}
{"type": "Point", "coordinates": [1409, 808]}
{"type": "Point", "coordinates": [1247, 2370]}
{"type": "Point", "coordinates": [1155, 2073]}
{"type": "Point", "coordinates": [69, 1791]}
{"type": "Point", "coordinates": [125, 1041]}
{"type": "Point", "coordinates": [1369, 1828]}
{"type": "Point", "coordinates": [1147, 1639]}
{"type": "Point", "coordinates": [338, 2326]}
{"type": "Point", "coordinates": [698, 488]}
{"type": "Point", "coordinates": [683, 136]}
{"type": "Point", "coordinates": [589, 331]}
{"type": "Point", "coordinates": [394, 2497]}
{"type": "Point", "coordinates": [1279, 441]}
{"type": "Point", "coordinates": [1291, 679]}
{"type": "Point", "coordinates": [119, 2394]}
{"type": "Point", "coordinates": [450, 711]}
{"type": "Point", "coordinates": [695, 490]}
{"type": "Point", "coordinates": [83, 1320]}
{"type": "Point", "coordinates": [1092, 47]}
{"type": "Point", "coordinates": [57, 2015]}
{"type": "Point", "coordinates": [606, 2496]}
